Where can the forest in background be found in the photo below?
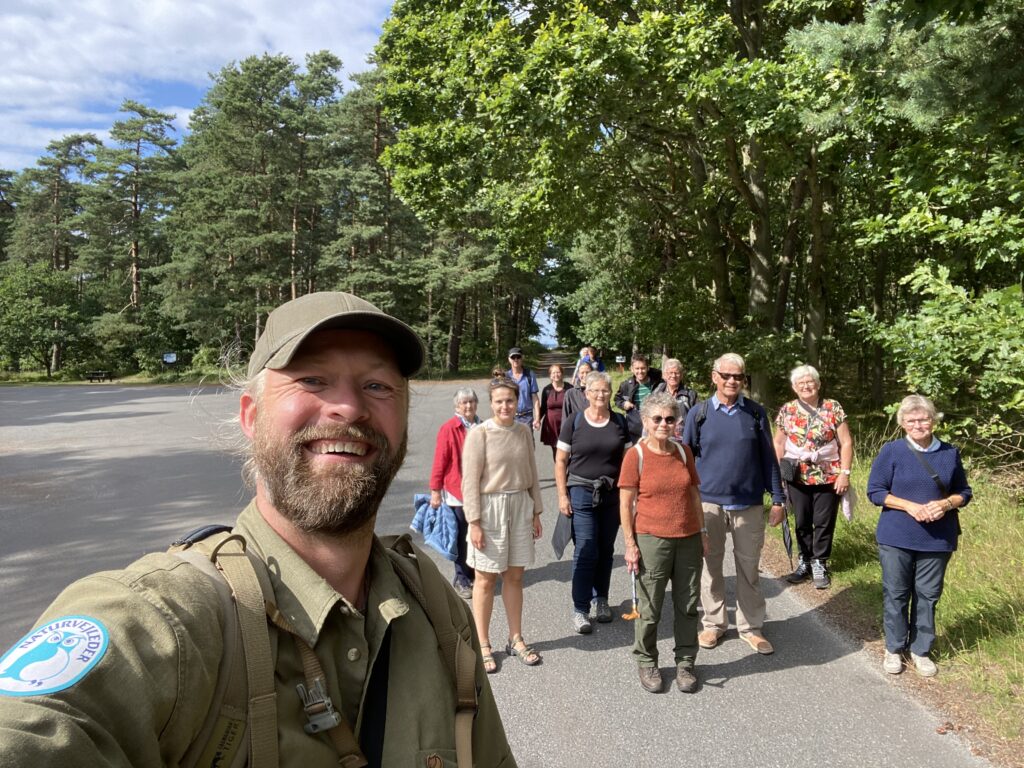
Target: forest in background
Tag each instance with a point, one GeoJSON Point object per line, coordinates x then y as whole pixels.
{"type": "Point", "coordinates": [800, 181]}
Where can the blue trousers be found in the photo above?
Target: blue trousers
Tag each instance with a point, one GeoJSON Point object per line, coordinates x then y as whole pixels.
{"type": "Point", "coordinates": [593, 532]}
{"type": "Point", "coordinates": [911, 588]}
{"type": "Point", "coordinates": [463, 573]}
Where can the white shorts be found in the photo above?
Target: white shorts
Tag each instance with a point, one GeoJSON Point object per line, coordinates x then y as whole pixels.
{"type": "Point", "coordinates": [507, 523]}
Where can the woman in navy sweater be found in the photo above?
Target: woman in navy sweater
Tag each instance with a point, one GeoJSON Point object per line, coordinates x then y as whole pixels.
{"type": "Point", "coordinates": [920, 483]}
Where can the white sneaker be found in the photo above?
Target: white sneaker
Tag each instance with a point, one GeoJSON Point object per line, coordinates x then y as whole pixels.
{"type": "Point", "coordinates": [893, 663]}
{"type": "Point", "coordinates": [925, 667]}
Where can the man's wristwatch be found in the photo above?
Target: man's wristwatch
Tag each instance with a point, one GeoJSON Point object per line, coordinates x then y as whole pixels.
{"type": "Point", "coordinates": [846, 472]}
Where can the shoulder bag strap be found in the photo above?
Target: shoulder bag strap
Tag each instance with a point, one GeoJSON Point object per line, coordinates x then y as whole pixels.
{"type": "Point", "coordinates": [928, 468]}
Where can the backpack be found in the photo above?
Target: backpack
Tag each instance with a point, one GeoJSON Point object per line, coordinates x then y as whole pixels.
{"type": "Point", "coordinates": [244, 700]}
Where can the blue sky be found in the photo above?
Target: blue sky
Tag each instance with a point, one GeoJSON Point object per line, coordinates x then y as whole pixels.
{"type": "Point", "coordinates": [68, 64]}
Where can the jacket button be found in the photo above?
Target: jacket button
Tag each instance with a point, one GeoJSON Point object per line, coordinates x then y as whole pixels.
{"type": "Point", "coordinates": [353, 654]}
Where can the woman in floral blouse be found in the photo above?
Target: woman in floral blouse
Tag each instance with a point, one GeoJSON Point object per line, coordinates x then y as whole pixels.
{"type": "Point", "coordinates": [814, 439]}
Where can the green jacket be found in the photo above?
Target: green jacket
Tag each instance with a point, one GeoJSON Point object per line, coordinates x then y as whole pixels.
{"type": "Point", "coordinates": [143, 700]}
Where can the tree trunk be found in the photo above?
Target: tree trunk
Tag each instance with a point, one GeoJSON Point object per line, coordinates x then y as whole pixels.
{"type": "Point", "coordinates": [822, 218]}
{"type": "Point", "coordinates": [56, 354]}
{"type": "Point", "coordinates": [455, 334]}
{"type": "Point", "coordinates": [495, 328]}
{"type": "Point", "coordinates": [878, 312]}
{"type": "Point", "coordinates": [135, 258]}
{"type": "Point", "coordinates": [708, 225]}
{"type": "Point", "coordinates": [787, 256]}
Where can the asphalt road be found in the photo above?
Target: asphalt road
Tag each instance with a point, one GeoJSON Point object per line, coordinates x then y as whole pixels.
{"type": "Point", "coordinates": [93, 476]}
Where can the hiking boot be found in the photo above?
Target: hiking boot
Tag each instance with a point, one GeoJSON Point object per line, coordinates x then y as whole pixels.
{"type": "Point", "coordinates": [581, 623]}
{"type": "Point", "coordinates": [819, 572]}
{"type": "Point", "coordinates": [463, 588]}
{"type": "Point", "coordinates": [650, 679]}
{"type": "Point", "coordinates": [686, 681]}
{"type": "Point", "coordinates": [801, 574]}
{"type": "Point", "coordinates": [892, 663]}
{"type": "Point", "coordinates": [602, 611]}
{"type": "Point", "coordinates": [924, 666]}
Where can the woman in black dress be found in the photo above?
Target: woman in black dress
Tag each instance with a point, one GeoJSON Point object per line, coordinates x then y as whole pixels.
{"type": "Point", "coordinates": [551, 401]}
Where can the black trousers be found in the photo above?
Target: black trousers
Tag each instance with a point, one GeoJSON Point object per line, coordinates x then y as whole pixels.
{"type": "Point", "coordinates": [815, 508]}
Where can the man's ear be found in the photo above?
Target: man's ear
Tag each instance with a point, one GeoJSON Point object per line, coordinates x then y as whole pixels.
{"type": "Point", "coordinates": [247, 414]}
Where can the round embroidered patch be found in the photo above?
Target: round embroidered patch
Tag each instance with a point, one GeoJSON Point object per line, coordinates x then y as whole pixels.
{"type": "Point", "coordinates": [53, 657]}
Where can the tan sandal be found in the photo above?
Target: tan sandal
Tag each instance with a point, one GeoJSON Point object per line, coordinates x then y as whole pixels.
{"type": "Point", "coordinates": [518, 647]}
{"type": "Point", "coordinates": [490, 665]}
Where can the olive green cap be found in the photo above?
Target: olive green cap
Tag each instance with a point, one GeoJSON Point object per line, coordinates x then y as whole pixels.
{"type": "Point", "coordinates": [292, 323]}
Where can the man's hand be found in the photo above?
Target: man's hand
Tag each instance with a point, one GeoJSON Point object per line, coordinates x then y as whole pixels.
{"type": "Point", "coordinates": [628, 405]}
{"type": "Point", "coordinates": [776, 515]}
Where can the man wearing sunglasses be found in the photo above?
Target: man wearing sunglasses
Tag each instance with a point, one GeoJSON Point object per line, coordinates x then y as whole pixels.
{"type": "Point", "coordinates": [732, 442]}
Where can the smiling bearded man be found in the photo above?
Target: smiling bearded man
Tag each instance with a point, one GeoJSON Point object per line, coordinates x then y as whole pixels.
{"type": "Point", "coordinates": [336, 500]}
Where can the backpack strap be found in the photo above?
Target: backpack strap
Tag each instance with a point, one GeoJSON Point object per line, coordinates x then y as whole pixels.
{"type": "Point", "coordinates": [244, 697]}
{"type": "Point", "coordinates": [230, 557]}
{"type": "Point", "coordinates": [640, 456]}
{"type": "Point", "coordinates": [452, 628]}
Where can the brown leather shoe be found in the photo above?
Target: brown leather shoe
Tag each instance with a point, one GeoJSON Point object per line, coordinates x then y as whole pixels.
{"type": "Point", "coordinates": [686, 680]}
{"type": "Point", "coordinates": [759, 644]}
{"type": "Point", "coordinates": [650, 679]}
{"type": "Point", "coordinates": [709, 638]}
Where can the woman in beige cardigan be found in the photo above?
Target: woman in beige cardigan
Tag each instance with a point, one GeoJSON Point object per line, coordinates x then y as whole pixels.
{"type": "Point", "coordinates": [501, 498]}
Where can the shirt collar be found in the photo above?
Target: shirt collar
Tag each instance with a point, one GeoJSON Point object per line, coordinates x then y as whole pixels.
{"type": "Point", "coordinates": [719, 404]}
{"type": "Point", "coordinates": [932, 447]}
{"type": "Point", "coordinates": [302, 595]}
{"type": "Point", "coordinates": [466, 422]}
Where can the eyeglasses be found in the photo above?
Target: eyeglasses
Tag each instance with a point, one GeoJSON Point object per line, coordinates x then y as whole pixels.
{"type": "Point", "coordinates": [515, 357]}
{"type": "Point", "coordinates": [732, 376]}
{"type": "Point", "coordinates": [670, 420]}
{"type": "Point", "coordinates": [927, 420]}
{"type": "Point", "coordinates": [602, 392]}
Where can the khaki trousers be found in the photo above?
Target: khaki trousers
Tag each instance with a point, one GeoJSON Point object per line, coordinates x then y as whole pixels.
{"type": "Point", "coordinates": [747, 528]}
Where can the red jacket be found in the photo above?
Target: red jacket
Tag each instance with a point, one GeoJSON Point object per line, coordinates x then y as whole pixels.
{"type": "Point", "coordinates": [447, 471]}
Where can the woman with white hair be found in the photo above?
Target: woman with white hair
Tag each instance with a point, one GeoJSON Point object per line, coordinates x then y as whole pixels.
{"type": "Point", "coordinates": [920, 483]}
{"type": "Point", "coordinates": [446, 478]}
{"type": "Point", "coordinates": [815, 452]}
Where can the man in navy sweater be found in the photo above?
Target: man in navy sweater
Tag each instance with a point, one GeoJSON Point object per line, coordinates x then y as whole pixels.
{"type": "Point", "coordinates": [732, 442]}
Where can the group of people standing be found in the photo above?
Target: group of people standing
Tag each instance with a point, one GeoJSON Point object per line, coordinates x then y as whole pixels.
{"type": "Point", "coordinates": [679, 475]}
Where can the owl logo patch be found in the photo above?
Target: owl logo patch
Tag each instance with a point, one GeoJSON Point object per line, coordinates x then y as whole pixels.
{"type": "Point", "coordinates": [53, 657]}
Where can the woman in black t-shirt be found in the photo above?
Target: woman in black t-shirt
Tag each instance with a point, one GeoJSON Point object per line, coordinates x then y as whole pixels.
{"type": "Point", "coordinates": [588, 458]}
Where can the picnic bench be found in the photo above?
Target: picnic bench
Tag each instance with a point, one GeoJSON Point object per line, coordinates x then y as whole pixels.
{"type": "Point", "coordinates": [99, 376]}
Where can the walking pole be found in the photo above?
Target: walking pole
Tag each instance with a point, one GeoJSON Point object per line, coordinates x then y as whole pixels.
{"type": "Point", "coordinates": [634, 614]}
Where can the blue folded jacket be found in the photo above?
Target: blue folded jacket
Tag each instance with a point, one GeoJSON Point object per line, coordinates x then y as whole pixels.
{"type": "Point", "coordinates": [438, 526]}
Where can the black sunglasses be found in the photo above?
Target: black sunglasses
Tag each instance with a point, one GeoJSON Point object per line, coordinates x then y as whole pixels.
{"type": "Point", "coordinates": [515, 357]}
{"type": "Point", "coordinates": [670, 420]}
{"type": "Point", "coordinates": [732, 376]}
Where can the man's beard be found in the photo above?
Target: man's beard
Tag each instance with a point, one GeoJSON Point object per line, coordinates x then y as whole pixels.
{"type": "Point", "coordinates": [336, 499]}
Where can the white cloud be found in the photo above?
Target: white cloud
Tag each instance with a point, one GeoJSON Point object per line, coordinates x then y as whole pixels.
{"type": "Point", "coordinates": [72, 63]}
